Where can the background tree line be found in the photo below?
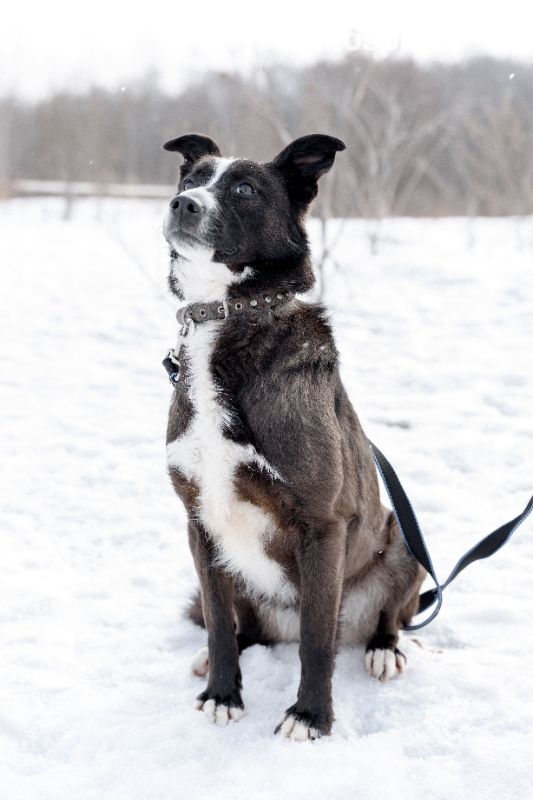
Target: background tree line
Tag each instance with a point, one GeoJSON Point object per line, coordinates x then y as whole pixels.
{"type": "Point", "coordinates": [438, 139]}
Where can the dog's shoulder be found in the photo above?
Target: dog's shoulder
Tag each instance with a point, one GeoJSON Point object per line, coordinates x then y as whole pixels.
{"type": "Point", "coordinates": [297, 340]}
{"type": "Point", "coordinates": [280, 383]}
{"type": "Point", "coordinates": [307, 335]}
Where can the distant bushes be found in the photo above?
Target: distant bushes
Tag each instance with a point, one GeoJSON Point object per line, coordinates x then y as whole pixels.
{"type": "Point", "coordinates": [422, 140]}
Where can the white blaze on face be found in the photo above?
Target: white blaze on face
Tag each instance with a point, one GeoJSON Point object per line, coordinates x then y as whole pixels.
{"type": "Point", "coordinates": [221, 166]}
{"type": "Point", "coordinates": [204, 194]}
{"type": "Point", "coordinates": [201, 279]}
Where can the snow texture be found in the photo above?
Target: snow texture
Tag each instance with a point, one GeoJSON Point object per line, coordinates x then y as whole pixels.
{"type": "Point", "coordinates": [97, 695]}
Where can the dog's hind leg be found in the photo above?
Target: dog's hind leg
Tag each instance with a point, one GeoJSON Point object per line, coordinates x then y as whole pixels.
{"type": "Point", "coordinates": [383, 659]}
{"type": "Point", "coordinates": [200, 660]}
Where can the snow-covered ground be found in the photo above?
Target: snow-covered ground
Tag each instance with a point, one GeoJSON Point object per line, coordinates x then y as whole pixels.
{"type": "Point", "coordinates": [436, 335]}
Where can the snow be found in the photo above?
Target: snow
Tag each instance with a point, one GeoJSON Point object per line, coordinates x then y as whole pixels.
{"type": "Point", "coordinates": [97, 696]}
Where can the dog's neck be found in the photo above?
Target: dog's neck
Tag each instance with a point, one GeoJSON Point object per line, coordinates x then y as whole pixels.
{"type": "Point", "coordinates": [196, 278]}
{"type": "Point", "coordinates": [191, 314]}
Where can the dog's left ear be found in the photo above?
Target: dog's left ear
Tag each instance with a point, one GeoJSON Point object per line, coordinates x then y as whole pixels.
{"type": "Point", "coordinates": [192, 147]}
{"type": "Point", "coordinates": [303, 162]}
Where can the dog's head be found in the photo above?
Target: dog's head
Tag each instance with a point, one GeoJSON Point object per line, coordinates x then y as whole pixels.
{"type": "Point", "coordinates": [238, 221]}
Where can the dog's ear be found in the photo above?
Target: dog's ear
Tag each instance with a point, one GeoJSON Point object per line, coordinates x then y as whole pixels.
{"type": "Point", "coordinates": [192, 146]}
{"type": "Point", "coordinates": [303, 162]}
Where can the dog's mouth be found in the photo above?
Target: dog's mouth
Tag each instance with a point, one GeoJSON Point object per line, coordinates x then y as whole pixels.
{"type": "Point", "coordinates": [183, 239]}
{"type": "Point", "coordinates": [177, 237]}
{"type": "Point", "coordinates": [185, 244]}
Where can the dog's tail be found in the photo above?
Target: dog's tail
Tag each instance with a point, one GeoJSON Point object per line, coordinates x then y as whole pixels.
{"type": "Point", "coordinates": [194, 610]}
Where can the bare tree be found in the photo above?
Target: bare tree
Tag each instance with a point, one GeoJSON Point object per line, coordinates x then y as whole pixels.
{"type": "Point", "coordinates": [436, 139]}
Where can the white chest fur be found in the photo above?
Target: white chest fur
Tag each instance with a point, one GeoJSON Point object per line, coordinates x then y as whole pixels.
{"type": "Point", "coordinates": [239, 528]}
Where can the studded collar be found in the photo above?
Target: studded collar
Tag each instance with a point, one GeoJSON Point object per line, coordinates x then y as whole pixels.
{"type": "Point", "coordinates": [220, 309]}
{"type": "Point", "coordinates": [194, 313]}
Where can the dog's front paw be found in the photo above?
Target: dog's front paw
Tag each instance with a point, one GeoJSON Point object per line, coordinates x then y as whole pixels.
{"type": "Point", "coordinates": [385, 663]}
{"type": "Point", "coordinates": [220, 709]}
{"type": "Point", "coordinates": [303, 725]}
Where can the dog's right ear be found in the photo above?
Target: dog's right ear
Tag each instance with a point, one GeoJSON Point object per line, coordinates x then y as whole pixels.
{"type": "Point", "coordinates": [303, 162]}
{"type": "Point", "coordinates": [192, 147]}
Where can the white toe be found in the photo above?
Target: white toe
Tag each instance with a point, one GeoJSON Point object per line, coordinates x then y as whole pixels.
{"type": "Point", "coordinates": [389, 666]}
{"type": "Point", "coordinates": [287, 726]}
{"type": "Point", "coordinates": [209, 708]}
{"type": "Point", "coordinates": [368, 661]}
{"type": "Point", "coordinates": [297, 730]}
{"type": "Point", "coordinates": [235, 713]}
{"type": "Point", "coordinates": [378, 663]}
{"type": "Point", "coordinates": [221, 715]}
{"type": "Point", "coordinates": [300, 732]}
{"type": "Point", "coordinates": [401, 663]}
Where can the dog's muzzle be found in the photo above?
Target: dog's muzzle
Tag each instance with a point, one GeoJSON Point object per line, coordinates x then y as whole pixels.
{"type": "Point", "coordinates": [187, 212]}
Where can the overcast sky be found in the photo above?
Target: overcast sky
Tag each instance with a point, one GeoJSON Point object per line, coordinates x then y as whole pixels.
{"type": "Point", "coordinates": [52, 44]}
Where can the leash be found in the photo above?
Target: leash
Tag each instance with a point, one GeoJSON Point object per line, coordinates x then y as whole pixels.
{"type": "Point", "coordinates": [196, 313]}
{"type": "Point", "coordinates": [412, 534]}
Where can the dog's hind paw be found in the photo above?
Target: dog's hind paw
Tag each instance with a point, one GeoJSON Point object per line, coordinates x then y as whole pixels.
{"type": "Point", "coordinates": [200, 663]}
{"type": "Point", "coordinates": [384, 663]}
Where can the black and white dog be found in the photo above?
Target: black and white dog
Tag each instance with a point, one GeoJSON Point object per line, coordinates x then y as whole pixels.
{"type": "Point", "coordinates": [288, 535]}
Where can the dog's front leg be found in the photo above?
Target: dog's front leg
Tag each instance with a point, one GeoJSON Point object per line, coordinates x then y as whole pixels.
{"type": "Point", "coordinates": [221, 701]}
{"type": "Point", "coordinates": [321, 574]}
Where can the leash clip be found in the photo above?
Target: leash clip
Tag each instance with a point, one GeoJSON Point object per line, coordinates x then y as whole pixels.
{"type": "Point", "coordinates": [171, 361]}
{"type": "Point", "coordinates": [172, 365]}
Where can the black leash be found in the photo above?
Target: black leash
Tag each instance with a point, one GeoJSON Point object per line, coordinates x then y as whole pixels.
{"type": "Point", "coordinates": [403, 511]}
{"type": "Point", "coordinates": [410, 529]}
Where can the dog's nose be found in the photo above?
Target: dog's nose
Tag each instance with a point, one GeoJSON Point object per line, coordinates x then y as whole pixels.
{"type": "Point", "coordinates": [186, 206]}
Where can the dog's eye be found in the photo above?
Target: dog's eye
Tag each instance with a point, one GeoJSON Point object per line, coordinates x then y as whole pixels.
{"type": "Point", "coordinates": [245, 188]}
{"type": "Point", "coordinates": [188, 183]}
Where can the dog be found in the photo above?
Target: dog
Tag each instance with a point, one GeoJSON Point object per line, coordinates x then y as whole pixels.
{"type": "Point", "coordinates": [288, 535]}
